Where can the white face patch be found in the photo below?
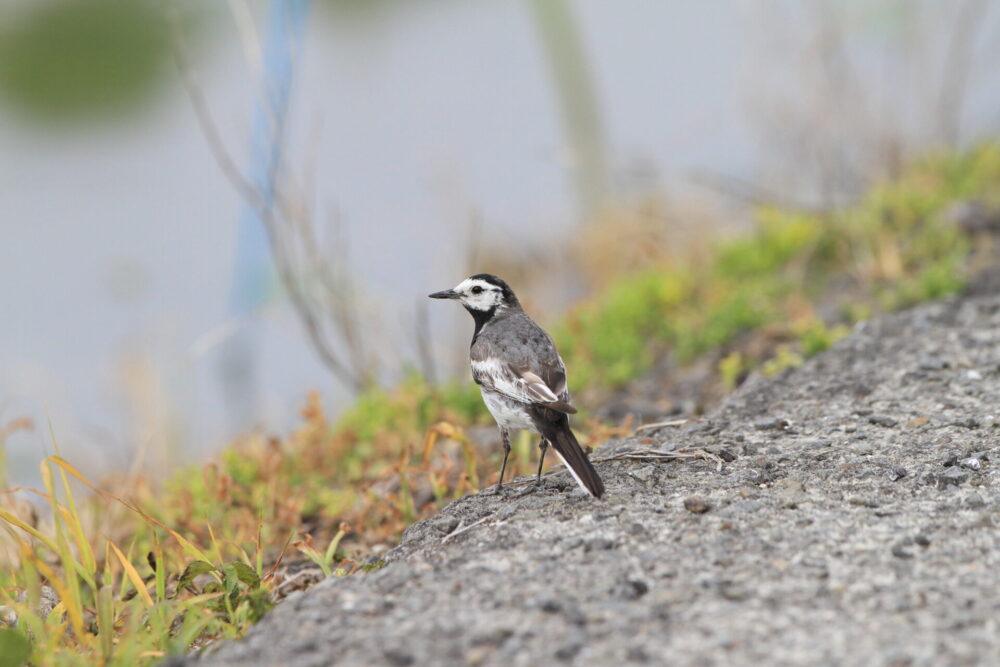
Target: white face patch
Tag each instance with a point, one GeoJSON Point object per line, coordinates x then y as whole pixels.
{"type": "Point", "coordinates": [479, 295]}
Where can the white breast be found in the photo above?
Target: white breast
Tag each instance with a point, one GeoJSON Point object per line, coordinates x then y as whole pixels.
{"type": "Point", "coordinates": [507, 412]}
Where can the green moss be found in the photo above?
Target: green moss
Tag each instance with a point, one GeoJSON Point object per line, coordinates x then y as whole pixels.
{"type": "Point", "coordinates": [784, 359]}
{"type": "Point", "coordinates": [818, 337]}
{"type": "Point", "coordinates": [240, 468]}
{"type": "Point", "coordinates": [613, 343]}
{"type": "Point", "coordinates": [411, 407]}
{"type": "Point", "coordinates": [732, 368]}
{"type": "Point", "coordinates": [780, 236]}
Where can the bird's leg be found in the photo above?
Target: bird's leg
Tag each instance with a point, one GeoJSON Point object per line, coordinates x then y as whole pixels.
{"type": "Point", "coordinates": [543, 445]}
{"type": "Point", "coordinates": [498, 490]}
{"type": "Point", "coordinates": [505, 436]}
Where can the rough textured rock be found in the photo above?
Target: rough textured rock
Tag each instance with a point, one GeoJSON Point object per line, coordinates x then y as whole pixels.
{"type": "Point", "coordinates": [848, 526]}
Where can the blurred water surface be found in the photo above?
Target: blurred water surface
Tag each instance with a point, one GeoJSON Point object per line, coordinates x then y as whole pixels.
{"type": "Point", "coordinates": [118, 230]}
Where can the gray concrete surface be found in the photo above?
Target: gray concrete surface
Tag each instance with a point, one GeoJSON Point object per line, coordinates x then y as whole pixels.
{"type": "Point", "coordinates": [855, 524]}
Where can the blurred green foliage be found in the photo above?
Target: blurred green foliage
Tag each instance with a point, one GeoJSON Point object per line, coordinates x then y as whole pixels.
{"type": "Point", "coordinates": [896, 247]}
{"type": "Point", "coordinates": [412, 407]}
{"type": "Point", "coordinates": [72, 59]}
{"type": "Point", "coordinates": [818, 336]}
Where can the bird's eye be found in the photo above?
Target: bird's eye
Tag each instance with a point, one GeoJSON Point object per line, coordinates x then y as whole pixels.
{"type": "Point", "coordinates": [476, 289]}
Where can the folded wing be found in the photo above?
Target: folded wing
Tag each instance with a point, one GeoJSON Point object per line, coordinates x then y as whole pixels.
{"type": "Point", "coordinates": [543, 386]}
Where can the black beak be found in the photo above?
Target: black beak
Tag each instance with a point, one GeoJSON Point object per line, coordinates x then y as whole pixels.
{"type": "Point", "coordinates": [446, 294]}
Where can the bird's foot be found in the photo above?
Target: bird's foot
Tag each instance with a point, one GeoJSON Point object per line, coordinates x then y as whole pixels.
{"type": "Point", "coordinates": [498, 490]}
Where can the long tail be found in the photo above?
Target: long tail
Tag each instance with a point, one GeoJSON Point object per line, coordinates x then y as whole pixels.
{"type": "Point", "coordinates": [554, 427]}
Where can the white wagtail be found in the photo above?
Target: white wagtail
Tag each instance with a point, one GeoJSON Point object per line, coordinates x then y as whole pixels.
{"type": "Point", "coordinates": [521, 375]}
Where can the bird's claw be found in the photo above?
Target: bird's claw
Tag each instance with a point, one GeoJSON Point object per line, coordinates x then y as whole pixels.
{"type": "Point", "coordinates": [498, 490]}
{"type": "Point", "coordinates": [507, 493]}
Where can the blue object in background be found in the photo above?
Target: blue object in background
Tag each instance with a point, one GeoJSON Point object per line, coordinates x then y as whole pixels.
{"type": "Point", "coordinates": [254, 274]}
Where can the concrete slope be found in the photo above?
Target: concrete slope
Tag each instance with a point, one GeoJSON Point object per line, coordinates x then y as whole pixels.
{"type": "Point", "coordinates": [853, 521]}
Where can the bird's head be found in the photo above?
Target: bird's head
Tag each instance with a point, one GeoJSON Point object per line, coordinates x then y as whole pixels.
{"type": "Point", "coordinates": [481, 294]}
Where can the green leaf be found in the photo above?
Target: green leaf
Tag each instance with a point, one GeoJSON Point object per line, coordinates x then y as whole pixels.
{"type": "Point", "coordinates": [14, 648]}
{"type": "Point", "coordinates": [246, 574]}
{"type": "Point", "coordinates": [193, 570]}
{"type": "Point", "coordinates": [230, 579]}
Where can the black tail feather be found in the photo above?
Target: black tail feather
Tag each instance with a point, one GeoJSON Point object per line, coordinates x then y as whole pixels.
{"type": "Point", "coordinates": [554, 427]}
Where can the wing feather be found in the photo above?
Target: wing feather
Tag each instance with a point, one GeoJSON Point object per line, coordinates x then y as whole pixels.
{"type": "Point", "coordinates": [522, 383]}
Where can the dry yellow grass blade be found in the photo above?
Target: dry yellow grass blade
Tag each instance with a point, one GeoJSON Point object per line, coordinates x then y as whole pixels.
{"type": "Point", "coordinates": [31, 530]}
{"type": "Point", "coordinates": [72, 520]}
{"type": "Point", "coordinates": [184, 542]}
{"type": "Point", "coordinates": [83, 545]}
{"type": "Point", "coordinates": [215, 544]}
{"type": "Point", "coordinates": [71, 566]}
{"type": "Point", "coordinates": [74, 611]}
{"type": "Point", "coordinates": [442, 430]}
{"type": "Point", "coordinates": [161, 569]}
{"type": "Point", "coordinates": [133, 574]}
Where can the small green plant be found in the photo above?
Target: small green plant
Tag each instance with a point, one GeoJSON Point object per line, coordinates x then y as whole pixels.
{"type": "Point", "coordinates": [783, 359]}
{"type": "Point", "coordinates": [324, 560]}
{"type": "Point", "coordinates": [732, 368]}
{"type": "Point", "coordinates": [241, 599]}
{"type": "Point", "coordinates": [817, 337]}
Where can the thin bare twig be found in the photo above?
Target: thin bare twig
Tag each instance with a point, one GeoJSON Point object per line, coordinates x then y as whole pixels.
{"type": "Point", "coordinates": [291, 234]}
{"type": "Point", "coordinates": [638, 455]}
{"type": "Point", "coordinates": [661, 455]}
{"type": "Point", "coordinates": [459, 531]}
{"type": "Point", "coordinates": [249, 39]}
{"type": "Point", "coordinates": [203, 114]}
{"type": "Point", "coordinates": [675, 422]}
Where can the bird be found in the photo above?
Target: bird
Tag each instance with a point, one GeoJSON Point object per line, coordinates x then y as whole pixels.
{"type": "Point", "coordinates": [521, 376]}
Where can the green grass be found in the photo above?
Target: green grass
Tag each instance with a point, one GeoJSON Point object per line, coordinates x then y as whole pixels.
{"type": "Point", "coordinates": [143, 573]}
{"type": "Point", "coordinates": [108, 612]}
